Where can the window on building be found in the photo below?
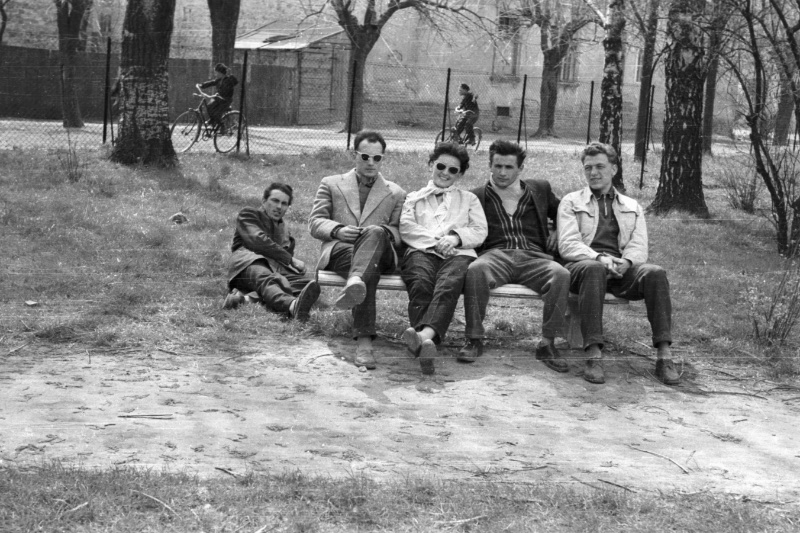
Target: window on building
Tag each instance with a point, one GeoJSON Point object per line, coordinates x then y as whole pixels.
{"type": "Point", "coordinates": [569, 65]}
{"type": "Point", "coordinates": [505, 64]}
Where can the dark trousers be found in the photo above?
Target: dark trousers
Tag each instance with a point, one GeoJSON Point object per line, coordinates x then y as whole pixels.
{"type": "Point", "coordinates": [498, 267]}
{"type": "Point", "coordinates": [589, 280]}
{"type": "Point", "coordinates": [277, 290]}
{"type": "Point", "coordinates": [434, 285]}
{"type": "Point", "coordinates": [465, 123]}
{"type": "Point", "coordinates": [369, 257]}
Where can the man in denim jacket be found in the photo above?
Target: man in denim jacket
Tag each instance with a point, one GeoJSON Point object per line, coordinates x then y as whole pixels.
{"type": "Point", "coordinates": [602, 235]}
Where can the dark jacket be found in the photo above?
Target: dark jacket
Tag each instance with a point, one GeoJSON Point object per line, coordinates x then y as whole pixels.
{"type": "Point", "coordinates": [546, 204]}
{"type": "Point", "coordinates": [258, 237]}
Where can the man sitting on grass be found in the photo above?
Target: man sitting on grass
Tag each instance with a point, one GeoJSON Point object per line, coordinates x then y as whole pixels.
{"type": "Point", "coordinates": [603, 236]}
{"type": "Point", "coordinates": [356, 216]}
{"type": "Point", "coordinates": [262, 260]}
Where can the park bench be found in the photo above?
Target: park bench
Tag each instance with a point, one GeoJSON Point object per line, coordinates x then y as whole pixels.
{"type": "Point", "coordinates": [393, 282]}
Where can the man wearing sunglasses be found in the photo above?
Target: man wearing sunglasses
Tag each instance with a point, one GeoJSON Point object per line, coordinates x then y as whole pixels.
{"type": "Point", "coordinates": [356, 216]}
{"type": "Point", "coordinates": [516, 250]}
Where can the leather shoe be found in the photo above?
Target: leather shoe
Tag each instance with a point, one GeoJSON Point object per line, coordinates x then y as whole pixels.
{"type": "Point", "coordinates": [365, 357]}
{"type": "Point", "coordinates": [233, 300]}
{"type": "Point", "coordinates": [471, 350]}
{"type": "Point", "coordinates": [413, 342]}
{"type": "Point", "coordinates": [548, 354]}
{"type": "Point", "coordinates": [352, 294]}
{"type": "Point", "coordinates": [593, 372]}
{"type": "Point", "coordinates": [427, 354]}
{"type": "Point", "coordinates": [306, 299]}
{"type": "Point", "coordinates": [666, 373]}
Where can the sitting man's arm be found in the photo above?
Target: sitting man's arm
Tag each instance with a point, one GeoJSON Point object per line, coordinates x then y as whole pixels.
{"type": "Point", "coordinates": [255, 239]}
{"type": "Point", "coordinates": [570, 242]}
{"type": "Point", "coordinates": [392, 228]}
{"type": "Point", "coordinates": [320, 222]}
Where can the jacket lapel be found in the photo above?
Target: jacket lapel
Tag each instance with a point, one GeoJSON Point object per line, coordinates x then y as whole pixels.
{"type": "Point", "coordinates": [380, 190]}
{"type": "Point", "coordinates": [348, 184]}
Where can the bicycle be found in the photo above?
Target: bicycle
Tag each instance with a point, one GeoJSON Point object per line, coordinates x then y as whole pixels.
{"type": "Point", "coordinates": [462, 138]}
{"type": "Point", "coordinates": [191, 124]}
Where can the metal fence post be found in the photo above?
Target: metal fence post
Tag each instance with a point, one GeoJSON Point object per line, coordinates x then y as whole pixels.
{"type": "Point", "coordinates": [522, 107]}
{"type": "Point", "coordinates": [591, 104]}
{"type": "Point", "coordinates": [647, 124]}
{"type": "Point", "coordinates": [446, 105]}
{"type": "Point", "coordinates": [106, 102]}
{"type": "Point", "coordinates": [352, 99]}
{"type": "Point", "coordinates": [242, 106]}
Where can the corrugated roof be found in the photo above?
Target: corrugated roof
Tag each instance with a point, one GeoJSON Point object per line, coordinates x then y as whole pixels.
{"type": "Point", "coordinates": [285, 36]}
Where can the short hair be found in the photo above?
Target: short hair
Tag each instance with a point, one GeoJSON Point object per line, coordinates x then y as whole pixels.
{"type": "Point", "coordinates": [220, 67]}
{"type": "Point", "coordinates": [501, 147]}
{"type": "Point", "coordinates": [370, 137]}
{"type": "Point", "coordinates": [453, 149]}
{"type": "Point", "coordinates": [465, 86]}
{"type": "Point", "coordinates": [601, 148]}
{"type": "Point", "coordinates": [282, 187]}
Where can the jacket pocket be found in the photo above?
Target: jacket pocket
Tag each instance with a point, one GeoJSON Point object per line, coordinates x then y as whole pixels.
{"type": "Point", "coordinates": [586, 222]}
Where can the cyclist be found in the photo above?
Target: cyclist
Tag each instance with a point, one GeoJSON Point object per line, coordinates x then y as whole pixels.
{"type": "Point", "coordinates": [469, 113]}
{"type": "Point", "coordinates": [220, 101]}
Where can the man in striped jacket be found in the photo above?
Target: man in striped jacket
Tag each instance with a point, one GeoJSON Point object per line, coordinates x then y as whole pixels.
{"type": "Point", "coordinates": [516, 250]}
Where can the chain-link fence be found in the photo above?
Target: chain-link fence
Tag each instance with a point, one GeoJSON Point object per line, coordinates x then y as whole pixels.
{"type": "Point", "coordinates": [299, 102]}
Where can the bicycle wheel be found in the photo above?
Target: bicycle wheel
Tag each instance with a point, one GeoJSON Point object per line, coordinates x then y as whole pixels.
{"type": "Point", "coordinates": [185, 131]}
{"type": "Point", "coordinates": [478, 137]}
{"type": "Point", "coordinates": [226, 132]}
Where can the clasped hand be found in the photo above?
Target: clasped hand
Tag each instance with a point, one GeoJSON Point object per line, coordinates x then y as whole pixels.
{"type": "Point", "coordinates": [446, 246]}
{"type": "Point", "coordinates": [615, 267]}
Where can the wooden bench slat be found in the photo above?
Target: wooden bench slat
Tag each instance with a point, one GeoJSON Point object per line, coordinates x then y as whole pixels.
{"type": "Point", "coordinates": [393, 282]}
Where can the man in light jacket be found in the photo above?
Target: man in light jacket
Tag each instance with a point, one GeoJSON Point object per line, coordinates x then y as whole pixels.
{"type": "Point", "coordinates": [602, 235]}
{"type": "Point", "coordinates": [356, 216]}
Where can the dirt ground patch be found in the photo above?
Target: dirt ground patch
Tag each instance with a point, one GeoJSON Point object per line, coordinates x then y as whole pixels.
{"type": "Point", "coordinates": [304, 406]}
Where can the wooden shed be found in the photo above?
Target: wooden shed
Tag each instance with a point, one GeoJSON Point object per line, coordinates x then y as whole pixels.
{"type": "Point", "coordinates": [297, 74]}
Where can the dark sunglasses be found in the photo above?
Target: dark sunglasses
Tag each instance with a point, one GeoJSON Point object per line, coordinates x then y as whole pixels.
{"type": "Point", "coordinates": [366, 157]}
{"type": "Point", "coordinates": [451, 170]}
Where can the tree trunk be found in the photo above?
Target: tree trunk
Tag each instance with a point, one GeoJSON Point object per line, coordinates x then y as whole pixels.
{"type": "Point", "coordinates": [548, 93]}
{"type": "Point", "coordinates": [611, 86]}
{"type": "Point", "coordinates": [70, 18]}
{"type": "Point", "coordinates": [714, 45]}
{"type": "Point", "coordinates": [646, 80]}
{"type": "Point", "coordinates": [224, 18]}
{"type": "Point", "coordinates": [358, 56]}
{"type": "Point", "coordinates": [3, 24]}
{"type": "Point", "coordinates": [681, 181]}
{"type": "Point", "coordinates": [708, 106]}
{"type": "Point", "coordinates": [144, 135]}
{"type": "Point", "coordinates": [783, 117]}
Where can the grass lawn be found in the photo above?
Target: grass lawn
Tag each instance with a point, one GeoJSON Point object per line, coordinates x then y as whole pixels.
{"type": "Point", "coordinates": [95, 263]}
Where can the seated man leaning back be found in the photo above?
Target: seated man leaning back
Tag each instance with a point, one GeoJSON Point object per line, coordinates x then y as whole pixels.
{"type": "Point", "coordinates": [263, 262]}
{"type": "Point", "coordinates": [516, 251]}
{"type": "Point", "coordinates": [602, 235]}
{"type": "Point", "coordinates": [356, 216]}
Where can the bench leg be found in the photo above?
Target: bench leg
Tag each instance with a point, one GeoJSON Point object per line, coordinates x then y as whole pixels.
{"type": "Point", "coordinates": [574, 336]}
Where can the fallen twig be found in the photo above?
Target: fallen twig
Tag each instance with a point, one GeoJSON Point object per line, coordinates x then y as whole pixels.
{"type": "Point", "coordinates": [226, 471]}
{"type": "Point", "coordinates": [616, 485]}
{"type": "Point", "coordinates": [21, 346]}
{"type": "Point", "coordinates": [585, 483]}
{"type": "Point", "coordinates": [791, 399]}
{"type": "Point", "coordinates": [234, 357]}
{"type": "Point", "coordinates": [732, 393]}
{"type": "Point", "coordinates": [263, 529]}
{"type": "Point", "coordinates": [459, 522]}
{"type": "Point", "coordinates": [156, 417]}
{"type": "Point", "coordinates": [317, 357]}
{"type": "Point", "coordinates": [81, 506]}
{"type": "Point", "coordinates": [155, 500]}
{"type": "Point", "coordinates": [167, 351]}
{"type": "Point", "coordinates": [662, 456]}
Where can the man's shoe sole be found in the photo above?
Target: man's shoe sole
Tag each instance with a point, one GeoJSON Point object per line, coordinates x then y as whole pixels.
{"type": "Point", "coordinates": [351, 296]}
{"type": "Point", "coordinates": [427, 355]}
{"type": "Point", "coordinates": [308, 296]}
{"type": "Point", "coordinates": [412, 341]}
